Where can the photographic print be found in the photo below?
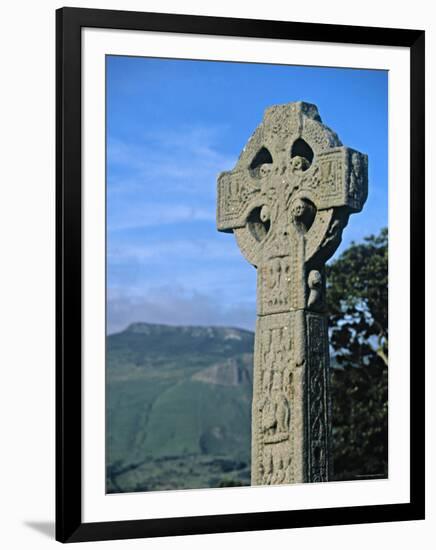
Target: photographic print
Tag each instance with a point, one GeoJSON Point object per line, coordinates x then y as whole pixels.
{"type": "Point", "coordinates": [247, 274]}
{"type": "Point", "coordinates": [239, 206]}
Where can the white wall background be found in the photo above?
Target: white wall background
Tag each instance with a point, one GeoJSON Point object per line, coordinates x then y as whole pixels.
{"type": "Point", "coordinates": [27, 323]}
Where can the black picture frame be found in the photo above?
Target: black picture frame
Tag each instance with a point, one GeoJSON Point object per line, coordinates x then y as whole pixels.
{"type": "Point", "coordinates": [69, 525]}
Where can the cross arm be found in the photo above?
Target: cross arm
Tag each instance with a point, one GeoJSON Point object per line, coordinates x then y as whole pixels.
{"type": "Point", "coordinates": [339, 183]}
{"type": "Point", "coordinates": [339, 178]}
{"type": "Point", "coordinates": [237, 197]}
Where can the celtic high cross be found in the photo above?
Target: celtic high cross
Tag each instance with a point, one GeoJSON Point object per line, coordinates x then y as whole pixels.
{"type": "Point", "coordinates": [287, 201]}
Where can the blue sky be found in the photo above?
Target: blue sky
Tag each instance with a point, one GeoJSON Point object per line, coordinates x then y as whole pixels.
{"type": "Point", "coordinates": [172, 126]}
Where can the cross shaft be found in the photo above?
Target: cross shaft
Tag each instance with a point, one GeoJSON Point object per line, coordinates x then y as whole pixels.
{"type": "Point", "coordinates": [287, 201]}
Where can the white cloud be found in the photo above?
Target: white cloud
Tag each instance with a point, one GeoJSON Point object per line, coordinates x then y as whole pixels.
{"type": "Point", "coordinates": [173, 250]}
{"type": "Point", "coordinates": [184, 160]}
{"type": "Point", "coordinates": [143, 213]}
{"type": "Point", "coordinates": [176, 307]}
{"type": "Point", "coordinates": [168, 178]}
{"type": "Point", "coordinates": [163, 185]}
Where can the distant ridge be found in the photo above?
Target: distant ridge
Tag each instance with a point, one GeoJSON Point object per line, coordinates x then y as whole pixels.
{"type": "Point", "coordinates": [146, 338]}
{"type": "Point", "coordinates": [210, 330]}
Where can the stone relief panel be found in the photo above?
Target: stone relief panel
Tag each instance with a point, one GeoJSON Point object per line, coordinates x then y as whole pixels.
{"type": "Point", "coordinates": [279, 444]}
{"type": "Point", "coordinates": [235, 195]}
{"type": "Point", "coordinates": [357, 179]}
{"type": "Point", "coordinates": [276, 277]}
{"type": "Point", "coordinates": [317, 405]}
{"type": "Point", "coordinates": [273, 444]}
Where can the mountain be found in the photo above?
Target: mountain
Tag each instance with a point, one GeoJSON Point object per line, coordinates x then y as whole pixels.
{"type": "Point", "coordinates": [178, 407]}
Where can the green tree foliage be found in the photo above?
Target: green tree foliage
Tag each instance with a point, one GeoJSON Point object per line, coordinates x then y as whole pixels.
{"type": "Point", "coordinates": [358, 308]}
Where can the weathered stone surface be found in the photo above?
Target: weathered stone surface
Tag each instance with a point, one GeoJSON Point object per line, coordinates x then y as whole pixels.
{"type": "Point", "coordinates": [287, 201]}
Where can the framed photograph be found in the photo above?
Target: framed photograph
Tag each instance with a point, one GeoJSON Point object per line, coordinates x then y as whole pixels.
{"type": "Point", "coordinates": [240, 275]}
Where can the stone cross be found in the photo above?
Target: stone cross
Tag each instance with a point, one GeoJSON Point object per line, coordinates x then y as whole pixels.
{"type": "Point", "coordinates": [287, 201]}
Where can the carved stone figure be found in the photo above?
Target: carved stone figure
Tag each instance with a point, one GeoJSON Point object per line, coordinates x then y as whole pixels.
{"type": "Point", "coordinates": [314, 282]}
{"type": "Point", "coordinates": [287, 201]}
{"type": "Point", "coordinates": [300, 164]}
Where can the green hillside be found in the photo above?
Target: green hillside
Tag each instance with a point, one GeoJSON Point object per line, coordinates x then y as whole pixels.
{"type": "Point", "coordinates": [178, 407]}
